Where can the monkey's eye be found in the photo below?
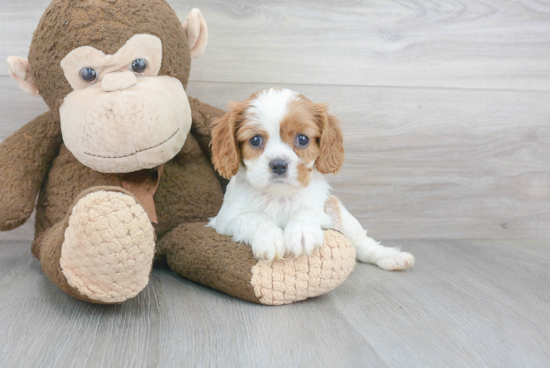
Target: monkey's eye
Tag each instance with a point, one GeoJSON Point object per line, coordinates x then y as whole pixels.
{"type": "Point", "coordinates": [256, 141]}
{"type": "Point", "coordinates": [139, 66]}
{"type": "Point", "coordinates": [302, 140]}
{"type": "Point", "coordinates": [88, 75]}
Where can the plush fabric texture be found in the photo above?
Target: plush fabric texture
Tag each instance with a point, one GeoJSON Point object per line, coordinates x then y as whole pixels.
{"type": "Point", "coordinates": [197, 32]}
{"type": "Point", "coordinates": [210, 259]}
{"type": "Point", "coordinates": [47, 247]}
{"type": "Point", "coordinates": [288, 281]}
{"type": "Point", "coordinates": [108, 248]}
{"type": "Point", "coordinates": [69, 24]}
{"type": "Point", "coordinates": [143, 184]}
{"type": "Point", "coordinates": [25, 157]}
{"type": "Point", "coordinates": [202, 115]}
{"type": "Point", "coordinates": [213, 260]}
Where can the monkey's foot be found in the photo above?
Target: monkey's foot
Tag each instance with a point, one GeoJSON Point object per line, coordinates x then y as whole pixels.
{"type": "Point", "coordinates": [291, 280]}
{"type": "Point", "coordinates": [108, 247]}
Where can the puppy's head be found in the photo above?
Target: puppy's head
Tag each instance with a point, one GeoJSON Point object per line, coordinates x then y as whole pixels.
{"type": "Point", "coordinates": [277, 137]}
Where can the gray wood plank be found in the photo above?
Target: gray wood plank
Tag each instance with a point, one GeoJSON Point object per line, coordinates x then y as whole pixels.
{"type": "Point", "coordinates": [461, 44]}
{"type": "Point", "coordinates": [309, 334]}
{"type": "Point", "coordinates": [42, 327]}
{"type": "Point", "coordinates": [420, 163]}
{"type": "Point", "coordinates": [465, 303]}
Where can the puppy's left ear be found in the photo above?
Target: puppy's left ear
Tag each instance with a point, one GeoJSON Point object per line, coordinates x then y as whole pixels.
{"type": "Point", "coordinates": [226, 155]}
{"type": "Point", "coordinates": [197, 32]}
{"type": "Point", "coordinates": [331, 142]}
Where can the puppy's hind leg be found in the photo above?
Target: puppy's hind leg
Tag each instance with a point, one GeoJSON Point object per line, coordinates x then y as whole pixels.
{"type": "Point", "coordinates": [368, 250]}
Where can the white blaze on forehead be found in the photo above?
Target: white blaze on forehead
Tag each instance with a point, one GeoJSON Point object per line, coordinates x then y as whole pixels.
{"type": "Point", "coordinates": [269, 108]}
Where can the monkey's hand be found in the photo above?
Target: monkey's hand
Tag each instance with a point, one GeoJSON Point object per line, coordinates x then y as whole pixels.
{"type": "Point", "coordinates": [25, 158]}
{"type": "Point", "coordinates": [202, 115]}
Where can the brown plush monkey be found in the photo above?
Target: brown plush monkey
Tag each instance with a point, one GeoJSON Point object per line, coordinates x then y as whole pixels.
{"type": "Point", "coordinates": [121, 163]}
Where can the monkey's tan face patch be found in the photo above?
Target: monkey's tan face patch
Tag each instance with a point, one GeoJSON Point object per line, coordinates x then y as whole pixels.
{"type": "Point", "coordinates": [127, 130]}
{"type": "Point", "coordinates": [125, 121]}
{"type": "Point", "coordinates": [141, 46]}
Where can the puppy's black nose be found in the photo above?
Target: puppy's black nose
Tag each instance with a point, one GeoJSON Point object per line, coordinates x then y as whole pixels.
{"type": "Point", "coordinates": [278, 166]}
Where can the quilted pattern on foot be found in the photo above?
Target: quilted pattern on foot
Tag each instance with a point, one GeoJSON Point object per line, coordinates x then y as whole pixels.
{"type": "Point", "coordinates": [292, 280]}
{"type": "Point", "coordinates": [109, 245]}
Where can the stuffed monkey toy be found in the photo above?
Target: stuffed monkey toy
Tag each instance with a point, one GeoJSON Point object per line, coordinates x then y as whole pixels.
{"type": "Point", "coordinates": [121, 162]}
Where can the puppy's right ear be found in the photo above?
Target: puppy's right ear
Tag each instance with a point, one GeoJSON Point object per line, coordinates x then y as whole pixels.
{"type": "Point", "coordinates": [226, 155]}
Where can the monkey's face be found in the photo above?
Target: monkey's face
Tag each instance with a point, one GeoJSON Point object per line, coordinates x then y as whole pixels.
{"type": "Point", "coordinates": [116, 72]}
{"type": "Point", "coordinates": [121, 116]}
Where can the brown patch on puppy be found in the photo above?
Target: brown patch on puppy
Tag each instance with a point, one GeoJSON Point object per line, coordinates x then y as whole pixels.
{"type": "Point", "coordinates": [244, 134]}
{"type": "Point", "coordinates": [304, 174]}
{"type": "Point", "coordinates": [326, 144]}
{"type": "Point", "coordinates": [332, 208]}
{"type": "Point", "coordinates": [301, 119]}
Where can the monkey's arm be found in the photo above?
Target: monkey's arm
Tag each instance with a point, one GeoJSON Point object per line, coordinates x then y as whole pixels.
{"type": "Point", "coordinates": [202, 115]}
{"type": "Point", "coordinates": [25, 158]}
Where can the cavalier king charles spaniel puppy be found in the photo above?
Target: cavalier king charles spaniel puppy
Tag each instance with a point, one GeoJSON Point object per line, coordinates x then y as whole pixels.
{"type": "Point", "coordinates": [275, 146]}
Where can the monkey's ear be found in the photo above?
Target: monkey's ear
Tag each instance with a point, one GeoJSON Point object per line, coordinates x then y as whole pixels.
{"type": "Point", "coordinates": [20, 70]}
{"type": "Point", "coordinates": [197, 32]}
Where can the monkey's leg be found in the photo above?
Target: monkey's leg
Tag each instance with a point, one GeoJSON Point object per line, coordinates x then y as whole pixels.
{"type": "Point", "coordinates": [203, 256]}
{"type": "Point", "coordinates": [102, 251]}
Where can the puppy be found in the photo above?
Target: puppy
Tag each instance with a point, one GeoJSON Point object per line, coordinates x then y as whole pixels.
{"type": "Point", "coordinates": [275, 146]}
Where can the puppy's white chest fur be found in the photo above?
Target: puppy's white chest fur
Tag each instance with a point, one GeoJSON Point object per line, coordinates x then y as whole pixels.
{"type": "Point", "coordinates": [279, 206]}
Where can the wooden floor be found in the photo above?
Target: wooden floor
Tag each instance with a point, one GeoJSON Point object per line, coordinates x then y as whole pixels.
{"type": "Point", "coordinates": [465, 304]}
{"type": "Point", "coordinates": [445, 107]}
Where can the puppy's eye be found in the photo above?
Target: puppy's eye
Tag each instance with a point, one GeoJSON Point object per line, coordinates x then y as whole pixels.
{"type": "Point", "coordinates": [256, 141]}
{"type": "Point", "coordinates": [302, 140]}
{"type": "Point", "coordinates": [139, 66]}
{"type": "Point", "coordinates": [88, 75]}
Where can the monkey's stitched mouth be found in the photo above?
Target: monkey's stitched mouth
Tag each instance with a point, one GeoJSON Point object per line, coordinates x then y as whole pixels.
{"type": "Point", "coordinates": [141, 150]}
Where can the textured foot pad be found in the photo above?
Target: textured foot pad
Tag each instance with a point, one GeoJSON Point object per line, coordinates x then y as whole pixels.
{"type": "Point", "coordinates": [109, 246]}
{"type": "Point", "coordinates": [292, 280]}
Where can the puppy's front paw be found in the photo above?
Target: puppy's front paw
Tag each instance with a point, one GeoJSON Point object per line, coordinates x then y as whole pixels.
{"type": "Point", "coordinates": [269, 244]}
{"type": "Point", "coordinates": [395, 260]}
{"type": "Point", "coordinates": [302, 238]}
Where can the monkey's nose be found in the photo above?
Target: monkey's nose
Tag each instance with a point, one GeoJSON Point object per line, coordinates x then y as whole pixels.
{"type": "Point", "coordinates": [118, 80]}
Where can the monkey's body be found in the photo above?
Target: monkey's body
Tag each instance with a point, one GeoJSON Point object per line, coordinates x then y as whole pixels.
{"type": "Point", "coordinates": [189, 189]}
{"type": "Point", "coordinates": [94, 238]}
